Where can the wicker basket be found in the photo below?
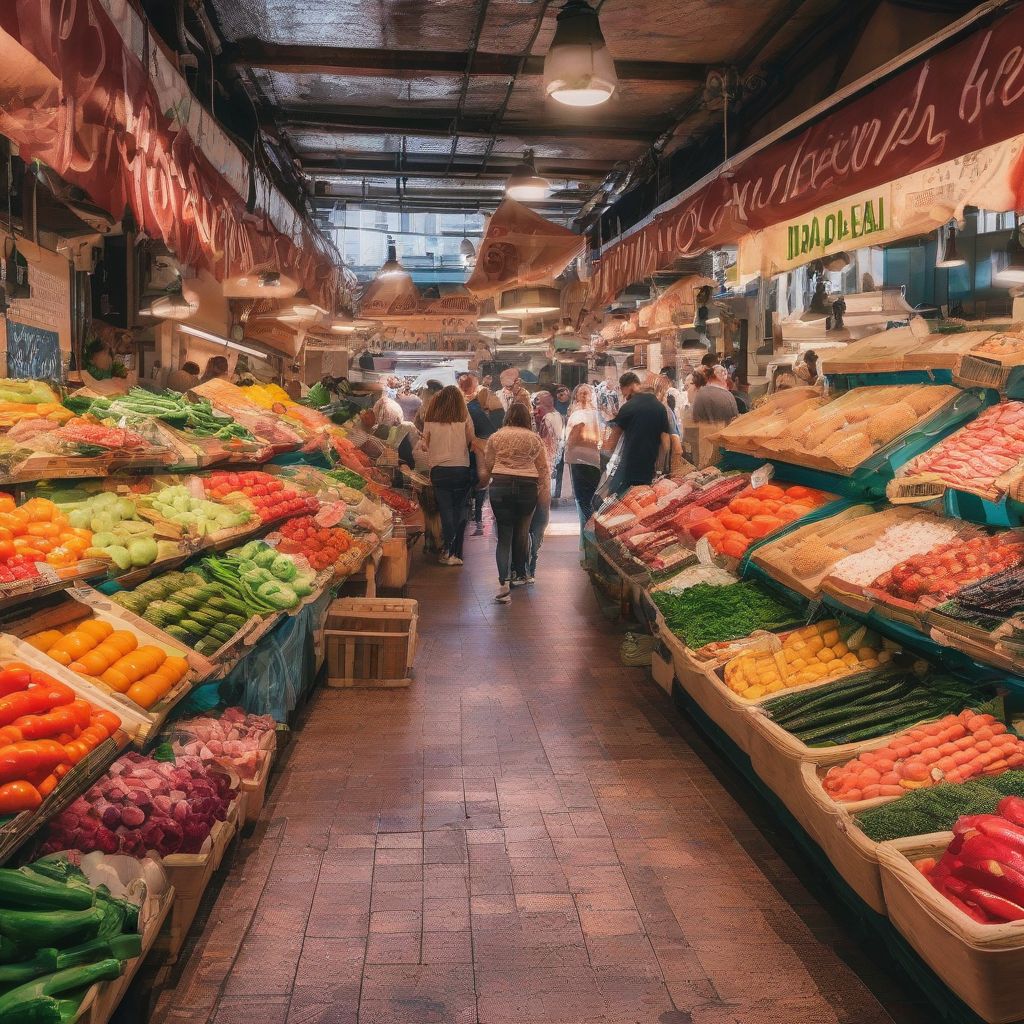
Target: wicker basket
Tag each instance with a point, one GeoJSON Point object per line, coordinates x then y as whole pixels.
{"type": "Point", "coordinates": [982, 963]}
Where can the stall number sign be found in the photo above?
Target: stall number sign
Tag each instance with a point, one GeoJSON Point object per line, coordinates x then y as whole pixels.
{"type": "Point", "coordinates": [807, 238]}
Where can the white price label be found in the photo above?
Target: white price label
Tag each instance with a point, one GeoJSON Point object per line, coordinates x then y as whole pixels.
{"type": "Point", "coordinates": [705, 553]}
{"type": "Point", "coordinates": [762, 475]}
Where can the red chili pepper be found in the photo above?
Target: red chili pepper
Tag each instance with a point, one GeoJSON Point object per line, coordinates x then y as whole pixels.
{"type": "Point", "coordinates": [47, 786]}
{"type": "Point", "coordinates": [13, 680]}
{"type": "Point", "coordinates": [19, 796]}
{"type": "Point", "coordinates": [1012, 808]}
{"type": "Point", "coordinates": [23, 760]}
{"type": "Point", "coordinates": [995, 906]}
{"type": "Point", "coordinates": [979, 848]}
{"type": "Point", "coordinates": [1003, 830]}
{"type": "Point", "coordinates": [53, 723]}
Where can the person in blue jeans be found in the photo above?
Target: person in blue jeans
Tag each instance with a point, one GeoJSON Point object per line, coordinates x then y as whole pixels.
{"type": "Point", "coordinates": [517, 469]}
{"type": "Point", "coordinates": [447, 441]}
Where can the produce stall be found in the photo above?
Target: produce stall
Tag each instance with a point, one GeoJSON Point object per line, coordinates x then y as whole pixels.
{"type": "Point", "coordinates": [163, 588]}
{"type": "Point", "coordinates": [841, 606]}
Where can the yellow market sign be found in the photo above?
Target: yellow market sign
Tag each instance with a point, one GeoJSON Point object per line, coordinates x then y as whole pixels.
{"type": "Point", "coordinates": [810, 238]}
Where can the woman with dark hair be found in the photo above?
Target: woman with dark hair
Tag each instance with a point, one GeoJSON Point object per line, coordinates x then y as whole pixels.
{"type": "Point", "coordinates": [516, 467]}
{"type": "Point", "coordinates": [447, 439]}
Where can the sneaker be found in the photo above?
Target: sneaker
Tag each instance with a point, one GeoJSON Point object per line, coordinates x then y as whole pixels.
{"type": "Point", "coordinates": [445, 560]}
{"type": "Point", "coordinates": [518, 581]}
{"type": "Point", "coordinates": [455, 560]}
{"type": "Point", "coordinates": [503, 596]}
{"type": "Point", "coordinates": [478, 532]}
{"type": "Point", "coordinates": [530, 580]}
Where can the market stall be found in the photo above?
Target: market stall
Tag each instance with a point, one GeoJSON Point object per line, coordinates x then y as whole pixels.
{"type": "Point", "coordinates": [860, 658]}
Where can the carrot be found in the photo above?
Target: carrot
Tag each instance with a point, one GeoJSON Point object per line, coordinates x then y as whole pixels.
{"type": "Point", "coordinates": [890, 790]}
{"type": "Point", "coordinates": [930, 755]}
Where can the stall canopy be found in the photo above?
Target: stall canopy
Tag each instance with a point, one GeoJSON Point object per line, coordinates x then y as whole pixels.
{"type": "Point", "coordinates": [103, 105]}
{"type": "Point", "coordinates": [962, 100]}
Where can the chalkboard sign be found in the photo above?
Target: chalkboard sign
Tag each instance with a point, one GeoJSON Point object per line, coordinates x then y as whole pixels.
{"type": "Point", "coordinates": [32, 352]}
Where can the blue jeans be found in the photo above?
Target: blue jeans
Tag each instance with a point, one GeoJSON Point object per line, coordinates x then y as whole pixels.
{"type": "Point", "coordinates": [538, 525]}
{"type": "Point", "coordinates": [584, 482]}
{"type": "Point", "coordinates": [452, 485]}
{"type": "Point", "coordinates": [513, 501]}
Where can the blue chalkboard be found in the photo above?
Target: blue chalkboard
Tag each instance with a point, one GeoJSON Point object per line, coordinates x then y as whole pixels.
{"type": "Point", "coordinates": [32, 353]}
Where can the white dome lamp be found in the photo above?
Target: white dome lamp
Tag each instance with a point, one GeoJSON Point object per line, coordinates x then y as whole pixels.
{"type": "Point", "coordinates": [525, 185]}
{"type": "Point", "coordinates": [578, 69]}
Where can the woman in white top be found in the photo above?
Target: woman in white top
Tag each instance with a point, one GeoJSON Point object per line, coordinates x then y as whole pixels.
{"type": "Point", "coordinates": [517, 468]}
{"type": "Point", "coordinates": [447, 438]}
{"type": "Point", "coordinates": [583, 449]}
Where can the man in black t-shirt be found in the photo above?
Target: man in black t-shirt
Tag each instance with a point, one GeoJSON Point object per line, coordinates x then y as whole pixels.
{"type": "Point", "coordinates": [642, 423]}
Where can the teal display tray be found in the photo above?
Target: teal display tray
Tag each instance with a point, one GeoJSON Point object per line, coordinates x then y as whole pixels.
{"type": "Point", "coordinates": [869, 480]}
{"type": "Point", "coordinates": [848, 381]}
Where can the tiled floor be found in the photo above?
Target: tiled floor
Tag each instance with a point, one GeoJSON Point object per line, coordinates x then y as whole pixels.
{"type": "Point", "coordinates": [529, 835]}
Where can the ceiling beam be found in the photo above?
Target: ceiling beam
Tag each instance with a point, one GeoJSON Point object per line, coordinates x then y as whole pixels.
{"type": "Point", "coordinates": [365, 121]}
{"type": "Point", "coordinates": [340, 60]}
{"type": "Point", "coordinates": [390, 165]}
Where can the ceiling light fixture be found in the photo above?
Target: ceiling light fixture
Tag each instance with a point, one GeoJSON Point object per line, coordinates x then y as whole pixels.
{"type": "Point", "coordinates": [391, 267]}
{"type": "Point", "coordinates": [578, 69]}
{"type": "Point", "coordinates": [1008, 265]}
{"type": "Point", "coordinates": [520, 302]}
{"type": "Point", "coordinates": [524, 183]}
{"type": "Point", "coordinates": [947, 256]}
{"type": "Point", "coordinates": [173, 305]}
{"type": "Point", "coordinates": [226, 342]}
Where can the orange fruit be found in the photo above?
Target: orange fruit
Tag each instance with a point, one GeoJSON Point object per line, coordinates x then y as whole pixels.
{"type": "Point", "coordinates": [174, 667]}
{"type": "Point", "coordinates": [123, 641]}
{"type": "Point", "coordinates": [95, 663]}
{"type": "Point", "coordinates": [96, 628]}
{"type": "Point", "coordinates": [118, 680]}
{"type": "Point", "coordinates": [45, 640]}
{"type": "Point", "coordinates": [59, 656]}
{"type": "Point", "coordinates": [144, 694]}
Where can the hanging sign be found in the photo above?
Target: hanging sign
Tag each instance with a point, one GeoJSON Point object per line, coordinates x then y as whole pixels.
{"type": "Point", "coordinates": [952, 103]}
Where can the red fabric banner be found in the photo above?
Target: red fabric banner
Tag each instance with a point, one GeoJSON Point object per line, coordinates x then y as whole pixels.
{"type": "Point", "coordinates": [953, 103]}
{"type": "Point", "coordinates": [101, 128]}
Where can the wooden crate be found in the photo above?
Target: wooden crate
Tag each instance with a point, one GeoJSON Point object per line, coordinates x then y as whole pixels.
{"type": "Point", "coordinates": [371, 642]}
{"type": "Point", "coordinates": [102, 999]}
{"type": "Point", "coordinates": [190, 874]}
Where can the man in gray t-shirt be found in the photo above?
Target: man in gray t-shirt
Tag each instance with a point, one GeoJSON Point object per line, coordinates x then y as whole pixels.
{"type": "Point", "coordinates": [714, 402]}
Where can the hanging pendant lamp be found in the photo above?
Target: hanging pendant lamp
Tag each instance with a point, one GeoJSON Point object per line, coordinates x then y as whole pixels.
{"type": "Point", "coordinates": [1009, 265]}
{"type": "Point", "coordinates": [950, 256]}
{"type": "Point", "coordinates": [392, 267]}
{"type": "Point", "coordinates": [520, 302]}
{"type": "Point", "coordinates": [175, 305]}
{"type": "Point", "coordinates": [524, 183]}
{"type": "Point", "coordinates": [578, 69]}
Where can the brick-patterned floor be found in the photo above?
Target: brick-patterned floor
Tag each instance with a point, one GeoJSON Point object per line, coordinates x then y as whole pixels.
{"type": "Point", "coordinates": [529, 835]}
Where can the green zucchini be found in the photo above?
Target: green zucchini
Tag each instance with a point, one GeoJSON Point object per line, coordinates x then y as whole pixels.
{"type": "Point", "coordinates": [36, 893]}
{"type": "Point", "coordinates": [50, 927]}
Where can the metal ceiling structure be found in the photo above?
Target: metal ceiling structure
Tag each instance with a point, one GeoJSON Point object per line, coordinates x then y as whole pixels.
{"type": "Point", "coordinates": [427, 105]}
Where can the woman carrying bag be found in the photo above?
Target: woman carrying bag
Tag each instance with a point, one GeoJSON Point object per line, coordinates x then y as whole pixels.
{"type": "Point", "coordinates": [517, 468]}
{"type": "Point", "coordinates": [583, 450]}
{"type": "Point", "coordinates": [447, 439]}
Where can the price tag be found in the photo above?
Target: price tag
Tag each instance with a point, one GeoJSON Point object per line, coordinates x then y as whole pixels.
{"type": "Point", "coordinates": [705, 553]}
{"type": "Point", "coordinates": [762, 475]}
{"type": "Point", "coordinates": [812, 610]}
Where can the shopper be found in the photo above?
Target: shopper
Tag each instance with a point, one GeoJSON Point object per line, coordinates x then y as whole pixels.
{"type": "Point", "coordinates": [483, 427]}
{"type": "Point", "coordinates": [512, 389]}
{"type": "Point", "coordinates": [409, 402]}
{"type": "Point", "coordinates": [184, 379]}
{"type": "Point", "coordinates": [447, 440]}
{"type": "Point", "coordinates": [583, 450]}
{"type": "Point", "coordinates": [714, 402]}
{"type": "Point", "coordinates": [429, 390]}
{"type": "Point", "coordinates": [563, 401]}
{"type": "Point", "coordinates": [216, 368]}
{"type": "Point", "coordinates": [643, 427]}
{"type": "Point", "coordinates": [516, 467]}
{"type": "Point", "coordinates": [806, 371]}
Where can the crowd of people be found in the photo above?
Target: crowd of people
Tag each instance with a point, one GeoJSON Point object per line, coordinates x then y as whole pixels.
{"type": "Point", "coordinates": [511, 449]}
